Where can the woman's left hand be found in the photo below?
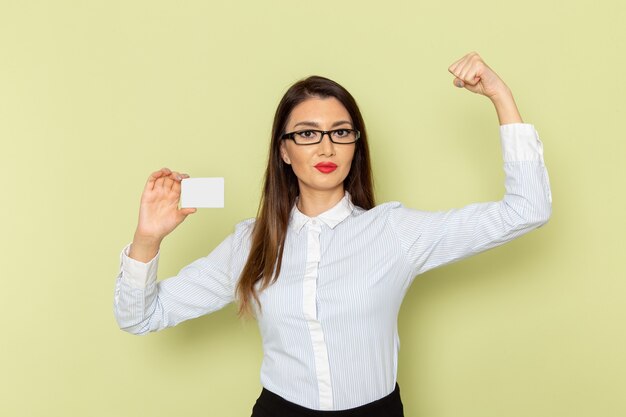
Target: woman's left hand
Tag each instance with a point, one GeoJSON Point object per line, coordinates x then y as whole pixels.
{"type": "Point", "coordinates": [472, 73]}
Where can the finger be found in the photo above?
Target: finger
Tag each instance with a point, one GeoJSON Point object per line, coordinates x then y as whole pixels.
{"type": "Point", "coordinates": [465, 64]}
{"type": "Point", "coordinates": [177, 176]}
{"type": "Point", "coordinates": [458, 83]}
{"type": "Point", "coordinates": [176, 187]}
{"type": "Point", "coordinates": [163, 172]}
{"type": "Point", "coordinates": [472, 73]}
{"type": "Point", "coordinates": [452, 68]}
{"type": "Point", "coordinates": [155, 176]}
{"type": "Point", "coordinates": [461, 72]}
{"type": "Point", "coordinates": [470, 78]}
{"type": "Point", "coordinates": [178, 184]}
{"type": "Point", "coordinates": [168, 182]}
{"type": "Point", "coordinates": [456, 67]}
{"type": "Point", "coordinates": [183, 213]}
{"type": "Point", "coordinates": [476, 69]}
{"type": "Point", "coordinates": [158, 184]}
{"type": "Point", "coordinates": [467, 71]}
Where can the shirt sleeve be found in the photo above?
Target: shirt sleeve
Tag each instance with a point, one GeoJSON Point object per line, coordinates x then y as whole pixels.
{"type": "Point", "coordinates": [432, 239]}
{"type": "Point", "coordinates": [141, 304]}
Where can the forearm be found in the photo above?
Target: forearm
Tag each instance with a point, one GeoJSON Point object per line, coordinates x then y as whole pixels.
{"type": "Point", "coordinates": [135, 293]}
{"type": "Point", "coordinates": [133, 307]}
{"type": "Point", "coordinates": [505, 107]}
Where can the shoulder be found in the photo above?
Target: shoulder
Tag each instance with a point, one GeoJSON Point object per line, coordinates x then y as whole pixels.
{"type": "Point", "coordinates": [395, 214]}
{"type": "Point", "coordinates": [379, 213]}
{"type": "Point", "coordinates": [379, 210]}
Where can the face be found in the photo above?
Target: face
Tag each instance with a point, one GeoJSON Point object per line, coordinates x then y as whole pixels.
{"type": "Point", "coordinates": [313, 164]}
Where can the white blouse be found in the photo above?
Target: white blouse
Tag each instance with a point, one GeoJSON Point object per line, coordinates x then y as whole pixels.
{"type": "Point", "coordinates": [329, 323]}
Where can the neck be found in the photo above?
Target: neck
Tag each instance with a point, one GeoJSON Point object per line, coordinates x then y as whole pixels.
{"type": "Point", "coordinates": [312, 203]}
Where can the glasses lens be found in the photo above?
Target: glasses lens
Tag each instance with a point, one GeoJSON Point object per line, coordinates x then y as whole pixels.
{"type": "Point", "coordinates": [306, 137]}
{"type": "Point", "coordinates": [343, 135]}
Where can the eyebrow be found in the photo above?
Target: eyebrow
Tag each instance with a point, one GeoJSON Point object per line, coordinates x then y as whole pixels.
{"type": "Point", "coordinates": [315, 124]}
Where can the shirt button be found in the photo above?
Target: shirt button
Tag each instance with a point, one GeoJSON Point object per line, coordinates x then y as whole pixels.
{"type": "Point", "coordinates": [314, 222]}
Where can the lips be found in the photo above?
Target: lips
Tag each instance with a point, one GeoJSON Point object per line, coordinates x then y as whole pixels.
{"type": "Point", "coordinates": [326, 167]}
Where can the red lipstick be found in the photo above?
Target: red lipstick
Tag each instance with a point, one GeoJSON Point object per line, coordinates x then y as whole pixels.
{"type": "Point", "coordinates": [326, 167]}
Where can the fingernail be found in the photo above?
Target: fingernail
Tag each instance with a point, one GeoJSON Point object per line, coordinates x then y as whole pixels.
{"type": "Point", "coordinates": [459, 84]}
{"type": "Point", "coordinates": [178, 177]}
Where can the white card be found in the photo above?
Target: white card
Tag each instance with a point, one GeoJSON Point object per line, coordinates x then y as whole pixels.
{"type": "Point", "coordinates": [202, 192]}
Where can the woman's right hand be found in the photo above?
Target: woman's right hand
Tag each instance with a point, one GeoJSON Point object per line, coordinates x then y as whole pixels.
{"type": "Point", "coordinates": [158, 213]}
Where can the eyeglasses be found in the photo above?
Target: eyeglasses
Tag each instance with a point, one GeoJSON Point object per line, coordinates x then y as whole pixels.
{"type": "Point", "coordinates": [312, 137]}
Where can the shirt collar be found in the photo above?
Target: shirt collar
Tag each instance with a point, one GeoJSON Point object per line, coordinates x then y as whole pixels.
{"type": "Point", "coordinates": [331, 217]}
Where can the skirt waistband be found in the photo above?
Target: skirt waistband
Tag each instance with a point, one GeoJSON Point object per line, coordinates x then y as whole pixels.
{"type": "Point", "coordinates": [272, 405]}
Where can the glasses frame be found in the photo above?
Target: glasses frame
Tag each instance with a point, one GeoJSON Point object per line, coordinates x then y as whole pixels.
{"type": "Point", "coordinates": [291, 135]}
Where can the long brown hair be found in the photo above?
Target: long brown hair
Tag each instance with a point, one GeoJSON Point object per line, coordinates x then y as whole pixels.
{"type": "Point", "coordinates": [281, 188]}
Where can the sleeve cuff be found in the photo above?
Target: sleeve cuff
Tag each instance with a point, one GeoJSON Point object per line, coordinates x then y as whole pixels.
{"type": "Point", "coordinates": [138, 274]}
{"type": "Point", "coordinates": [520, 142]}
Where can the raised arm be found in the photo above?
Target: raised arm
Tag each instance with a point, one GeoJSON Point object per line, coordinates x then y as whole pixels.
{"type": "Point", "coordinates": [432, 239]}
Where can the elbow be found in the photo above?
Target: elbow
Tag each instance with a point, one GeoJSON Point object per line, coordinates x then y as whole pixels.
{"type": "Point", "coordinates": [529, 215]}
{"type": "Point", "coordinates": [543, 207]}
{"type": "Point", "coordinates": [539, 215]}
{"type": "Point", "coordinates": [138, 329]}
{"type": "Point", "coordinates": [546, 217]}
{"type": "Point", "coordinates": [130, 312]}
{"type": "Point", "coordinates": [126, 323]}
{"type": "Point", "coordinates": [543, 211]}
{"type": "Point", "coordinates": [529, 206]}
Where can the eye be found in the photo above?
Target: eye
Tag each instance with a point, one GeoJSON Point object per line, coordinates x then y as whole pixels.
{"type": "Point", "coordinates": [308, 134]}
{"type": "Point", "coordinates": [341, 133]}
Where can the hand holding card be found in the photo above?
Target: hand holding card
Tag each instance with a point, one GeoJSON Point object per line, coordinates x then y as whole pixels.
{"type": "Point", "coordinates": [202, 193]}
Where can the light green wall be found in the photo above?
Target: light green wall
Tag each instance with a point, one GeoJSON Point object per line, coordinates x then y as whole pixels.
{"type": "Point", "coordinates": [94, 95]}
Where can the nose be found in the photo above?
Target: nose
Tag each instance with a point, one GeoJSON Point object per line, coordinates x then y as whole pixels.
{"type": "Point", "coordinates": [327, 147]}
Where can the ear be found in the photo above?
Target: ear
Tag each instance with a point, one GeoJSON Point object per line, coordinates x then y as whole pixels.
{"type": "Point", "coordinates": [284, 154]}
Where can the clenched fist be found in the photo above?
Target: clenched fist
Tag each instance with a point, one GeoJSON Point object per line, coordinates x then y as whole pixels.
{"type": "Point", "coordinates": [475, 75]}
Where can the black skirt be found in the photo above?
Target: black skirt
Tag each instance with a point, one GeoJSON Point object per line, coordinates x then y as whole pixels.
{"type": "Point", "coordinates": [272, 405]}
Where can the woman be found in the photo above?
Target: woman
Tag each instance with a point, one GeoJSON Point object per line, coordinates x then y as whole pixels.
{"type": "Point", "coordinates": [323, 269]}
